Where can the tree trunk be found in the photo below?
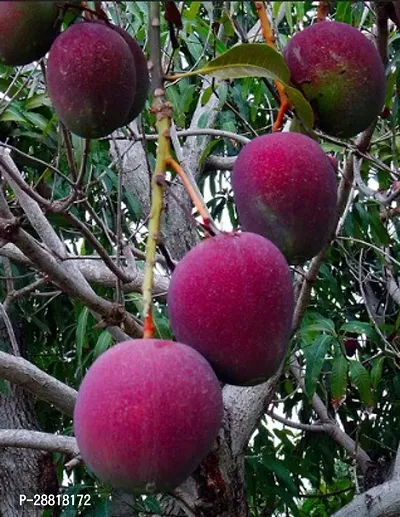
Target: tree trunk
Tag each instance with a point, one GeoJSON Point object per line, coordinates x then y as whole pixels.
{"type": "Point", "coordinates": [217, 487]}
{"type": "Point", "coordinates": [22, 471]}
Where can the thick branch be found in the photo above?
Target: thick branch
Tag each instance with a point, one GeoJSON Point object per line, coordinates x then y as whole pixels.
{"type": "Point", "coordinates": [45, 387]}
{"type": "Point", "coordinates": [22, 438]}
{"type": "Point", "coordinates": [95, 272]}
{"type": "Point", "coordinates": [381, 501]}
{"type": "Point", "coordinates": [215, 162]}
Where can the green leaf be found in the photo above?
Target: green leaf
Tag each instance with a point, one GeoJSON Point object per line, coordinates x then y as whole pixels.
{"type": "Point", "coordinates": [299, 10]}
{"type": "Point", "coordinates": [360, 379]}
{"type": "Point", "coordinates": [397, 324]}
{"type": "Point", "coordinates": [376, 371]}
{"type": "Point", "coordinates": [103, 343]}
{"type": "Point", "coordinates": [192, 12]}
{"type": "Point", "coordinates": [206, 95]}
{"type": "Point", "coordinates": [81, 333]}
{"type": "Point", "coordinates": [246, 60]}
{"type": "Point", "coordinates": [359, 327]}
{"type": "Point", "coordinates": [338, 380]}
{"type": "Point", "coordinates": [257, 60]}
{"type": "Point", "coordinates": [37, 101]}
{"type": "Point", "coordinates": [133, 205]}
{"type": "Point", "coordinates": [322, 325]}
{"type": "Point", "coordinates": [281, 471]}
{"type": "Point", "coordinates": [153, 506]}
{"type": "Point", "coordinates": [315, 357]}
{"type": "Point", "coordinates": [301, 105]}
{"type": "Point", "coordinates": [288, 14]}
{"type": "Point", "coordinates": [4, 387]}
{"type": "Point", "coordinates": [13, 114]}
{"type": "Point", "coordinates": [103, 509]}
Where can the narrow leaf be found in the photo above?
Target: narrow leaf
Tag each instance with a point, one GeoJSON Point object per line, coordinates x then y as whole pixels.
{"type": "Point", "coordinates": [339, 380]}
{"type": "Point", "coordinates": [13, 114]}
{"type": "Point", "coordinates": [360, 379]}
{"type": "Point", "coordinates": [37, 101]}
{"type": "Point", "coordinates": [81, 333]}
{"type": "Point", "coordinates": [302, 107]}
{"type": "Point", "coordinates": [358, 327]}
{"type": "Point", "coordinates": [103, 509]}
{"type": "Point", "coordinates": [376, 372]}
{"type": "Point", "coordinates": [322, 325]}
{"type": "Point", "coordinates": [103, 343]}
{"type": "Point", "coordinates": [4, 387]}
{"type": "Point", "coordinates": [257, 60]}
{"type": "Point", "coordinates": [281, 471]}
{"type": "Point", "coordinates": [315, 357]}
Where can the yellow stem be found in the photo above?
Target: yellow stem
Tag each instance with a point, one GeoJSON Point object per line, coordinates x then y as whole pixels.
{"type": "Point", "coordinates": [164, 113]}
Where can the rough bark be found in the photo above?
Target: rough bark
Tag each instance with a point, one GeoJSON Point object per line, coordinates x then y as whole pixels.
{"type": "Point", "coordinates": [381, 501]}
{"type": "Point", "coordinates": [178, 232]}
{"type": "Point", "coordinates": [22, 471]}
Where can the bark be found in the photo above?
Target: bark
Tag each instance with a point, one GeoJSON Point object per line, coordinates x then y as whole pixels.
{"type": "Point", "coordinates": [381, 501]}
{"type": "Point", "coordinates": [178, 233]}
{"type": "Point", "coordinates": [22, 471]}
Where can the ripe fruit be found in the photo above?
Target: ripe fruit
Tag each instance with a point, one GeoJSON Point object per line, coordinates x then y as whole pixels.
{"type": "Point", "coordinates": [27, 30]}
{"type": "Point", "coordinates": [231, 299]}
{"type": "Point", "coordinates": [351, 345]}
{"type": "Point", "coordinates": [91, 79]}
{"type": "Point", "coordinates": [142, 75]}
{"type": "Point", "coordinates": [285, 189]}
{"type": "Point", "coordinates": [341, 74]}
{"type": "Point", "coordinates": [147, 414]}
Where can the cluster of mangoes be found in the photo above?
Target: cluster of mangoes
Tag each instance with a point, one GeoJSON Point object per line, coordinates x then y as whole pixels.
{"type": "Point", "coordinates": [147, 414]}
{"type": "Point", "coordinates": [148, 411]}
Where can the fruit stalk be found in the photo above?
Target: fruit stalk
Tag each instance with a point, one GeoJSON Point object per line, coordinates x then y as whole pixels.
{"type": "Point", "coordinates": [270, 41]}
{"type": "Point", "coordinates": [323, 10]}
{"type": "Point", "coordinates": [197, 201]}
{"type": "Point", "coordinates": [163, 112]}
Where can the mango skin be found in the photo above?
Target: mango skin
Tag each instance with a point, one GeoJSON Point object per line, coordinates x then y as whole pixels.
{"type": "Point", "coordinates": [91, 79]}
{"type": "Point", "coordinates": [142, 75]}
{"type": "Point", "coordinates": [231, 298]}
{"type": "Point", "coordinates": [341, 74]}
{"type": "Point", "coordinates": [284, 188]}
{"type": "Point", "coordinates": [146, 415]}
{"type": "Point", "coordinates": [27, 30]}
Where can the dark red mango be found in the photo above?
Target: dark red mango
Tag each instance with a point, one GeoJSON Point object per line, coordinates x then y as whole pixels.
{"type": "Point", "coordinates": [91, 79]}
{"type": "Point", "coordinates": [142, 75]}
{"type": "Point", "coordinates": [341, 74]}
{"type": "Point", "coordinates": [231, 299]}
{"type": "Point", "coordinates": [147, 414]}
{"type": "Point", "coordinates": [284, 188]}
{"type": "Point", "coordinates": [27, 30]}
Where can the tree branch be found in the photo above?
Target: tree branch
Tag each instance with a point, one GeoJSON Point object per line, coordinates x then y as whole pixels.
{"type": "Point", "coordinates": [332, 429]}
{"type": "Point", "coordinates": [94, 271]}
{"type": "Point", "coordinates": [43, 386]}
{"type": "Point", "coordinates": [112, 313]}
{"type": "Point", "coordinates": [22, 438]}
{"type": "Point", "coordinates": [298, 425]}
{"type": "Point", "coordinates": [380, 501]}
